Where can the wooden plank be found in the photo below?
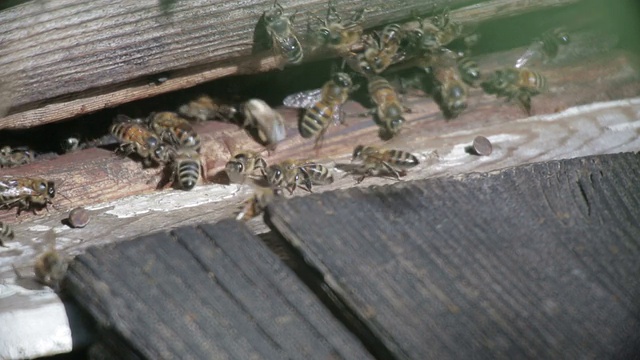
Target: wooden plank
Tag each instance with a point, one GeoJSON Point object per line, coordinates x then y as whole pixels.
{"type": "Point", "coordinates": [212, 291]}
{"type": "Point", "coordinates": [516, 142]}
{"type": "Point", "coordinates": [518, 263]}
{"type": "Point", "coordinates": [97, 175]}
{"type": "Point", "coordinates": [81, 58]}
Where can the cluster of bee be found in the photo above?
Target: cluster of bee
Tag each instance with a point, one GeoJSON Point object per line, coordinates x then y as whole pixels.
{"type": "Point", "coordinates": [164, 138]}
{"type": "Point", "coordinates": [423, 45]}
{"type": "Point", "coordinates": [271, 181]}
{"type": "Point", "coordinates": [26, 193]}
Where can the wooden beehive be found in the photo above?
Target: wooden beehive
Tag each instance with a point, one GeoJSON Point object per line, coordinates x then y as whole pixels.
{"type": "Point", "coordinates": [72, 62]}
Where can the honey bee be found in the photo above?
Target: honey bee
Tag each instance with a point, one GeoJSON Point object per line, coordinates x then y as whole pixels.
{"type": "Point", "coordinates": [468, 70]}
{"type": "Point", "coordinates": [139, 139]}
{"type": "Point", "coordinates": [14, 157]}
{"type": "Point", "coordinates": [257, 203]}
{"type": "Point", "coordinates": [379, 54]}
{"type": "Point", "coordinates": [544, 49]}
{"type": "Point", "coordinates": [376, 162]}
{"type": "Point", "coordinates": [186, 166]}
{"type": "Point", "coordinates": [268, 122]}
{"type": "Point", "coordinates": [516, 83]}
{"type": "Point", "coordinates": [244, 165]}
{"type": "Point", "coordinates": [389, 110]}
{"type": "Point", "coordinates": [70, 144]}
{"type": "Point", "coordinates": [51, 267]}
{"type": "Point", "coordinates": [290, 174]}
{"type": "Point", "coordinates": [449, 90]}
{"type": "Point", "coordinates": [430, 36]}
{"type": "Point", "coordinates": [25, 193]}
{"type": "Point", "coordinates": [174, 129]}
{"type": "Point", "coordinates": [322, 105]}
{"type": "Point", "coordinates": [6, 233]}
{"type": "Point", "coordinates": [284, 41]}
{"type": "Point", "coordinates": [336, 35]}
{"type": "Point", "coordinates": [205, 108]}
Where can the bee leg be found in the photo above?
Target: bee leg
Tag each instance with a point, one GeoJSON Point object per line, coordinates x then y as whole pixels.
{"type": "Point", "coordinates": [391, 170]}
{"type": "Point", "coordinates": [525, 100]}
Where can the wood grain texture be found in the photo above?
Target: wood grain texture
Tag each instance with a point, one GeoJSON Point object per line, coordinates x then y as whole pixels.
{"type": "Point", "coordinates": [519, 263]}
{"type": "Point", "coordinates": [206, 292]}
{"type": "Point", "coordinates": [83, 57]}
{"type": "Point", "coordinates": [565, 132]}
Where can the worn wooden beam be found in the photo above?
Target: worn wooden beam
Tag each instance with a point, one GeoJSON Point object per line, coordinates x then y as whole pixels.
{"type": "Point", "coordinates": [68, 58]}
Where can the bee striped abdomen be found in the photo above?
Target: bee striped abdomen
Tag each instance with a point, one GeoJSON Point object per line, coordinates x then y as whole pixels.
{"type": "Point", "coordinates": [315, 120]}
{"type": "Point", "coordinates": [188, 173]}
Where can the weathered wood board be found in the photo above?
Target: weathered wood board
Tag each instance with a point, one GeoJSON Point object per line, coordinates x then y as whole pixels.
{"type": "Point", "coordinates": [206, 292]}
{"type": "Point", "coordinates": [61, 59]}
{"type": "Point", "coordinates": [536, 261]}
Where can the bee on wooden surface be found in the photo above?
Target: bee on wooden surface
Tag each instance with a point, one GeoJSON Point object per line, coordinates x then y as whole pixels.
{"type": "Point", "coordinates": [322, 105]}
{"type": "Point", "coordinates": [205, 108]}
{"type": "Point", "coordinates": [186, 165]}
{"type": "Point", "coordinates": [336, 35]}
{"type": "Point", "coordinates": [137, 138]}
{"type": "Point", "coordinates": [290, 174]}
{"type": "Point", "coordinates": [389, 110]}
{"type": "Point", "coordinates": [51, 267]}
{"type": "Point", "coordinates": [25, 193]}
{"type": "Point", "coordinates": [71, 144]}
{"type": "Point", "coordinates": [450, 90]}
{"type": "Point", "coordinates": [284, 41]}
{"type": "Point", "coordinates": [15, 157]}
{"type": "Point", "coordinates": [6, 233]}
{"type": "Point", "coordinates": [244, 165]}
{"type": "Point", "coordinates": [377, 161]}
{"type": "Point", "coordinates": [174, 129]}
{"type": "Point", "coordinates": [257, 203]}
{"type": "Point", "coordinates": [544, 49]}
{"type": "Point", "coordinates": [514, 83]}
{"type": "Point", "coordinates": [382, 52]}
{"type": "Point", "coordinates": [268, 122]}
{"type": "Point", "coordinates": [431, 35]}
{"type": "Point", "coordinates": [469, 70]}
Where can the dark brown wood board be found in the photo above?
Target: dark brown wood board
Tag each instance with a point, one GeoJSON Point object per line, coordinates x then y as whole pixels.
{"type": "Point", "coordinates": [206, 292]}
{"type": "Point", "coordinates": [535, 261]}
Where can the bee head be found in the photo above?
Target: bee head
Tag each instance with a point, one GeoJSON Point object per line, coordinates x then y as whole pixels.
{"type": "Point", "coordinates": [342, 80]}
{"type": "Point", "coordinates": [357, 152]}
{"type": "Point", "coordinates": [274, 175]}
{"type": "Point", "coordinates": [49, 187]}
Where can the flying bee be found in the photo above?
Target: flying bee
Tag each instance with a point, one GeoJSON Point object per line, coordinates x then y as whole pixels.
{"type": "Point", "coordinates": [257, 203]}
{"type": "Point", "coordinates": [137, 138]}
{"type": "Point", "coordinates": [205, 108]}
{"type": "Point", "coordinates": [268, 122]}
{"type": "Point", "coordinates": [284, 41]}
{"type": "Point", "coordinates": [244, 165]}
{"type": "Point", "coordinates": [376, 162]}
{"type": "Point", "coordinates": [290, 174]}
{"type": "Point", "coordinates": [174, 129]}
{"type": "Point", "coordinates": [382, 52]}
{"type": "Point", "coordinates": [25, 193]}
{"type": "Point", "coordinates": [6, 233]}
{"type": "Point", "coordinates": [15, 157]}
{"type": "Point", "coordinates": [544, 49]}
{"type": "Point", "coordinates": [186, 167]}
{"type": "Point", "coordinates": [449, 90]}
{"type": "Point", "coordinates": [389, 110]}
{"type": "Point", "coordinates": [468, 70]}
{"type": "Point", "coordinates": [51, 267]}
{"type": "Point", "coordinates": [336, 35]}
{"type": "Point", "coordinates": [516, 83]}
{"type": "Point", "coordinates": [322, 105]}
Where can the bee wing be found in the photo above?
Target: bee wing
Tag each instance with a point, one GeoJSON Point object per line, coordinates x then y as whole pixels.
{"type": "Point", "coordinates": [533, 55]}
{"type": "Point", "coordinates": [10, 188]}
{"type": "Point", "coordinates": [303, 99]}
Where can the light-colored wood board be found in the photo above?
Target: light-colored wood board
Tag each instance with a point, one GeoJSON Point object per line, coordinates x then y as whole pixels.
{"type": "Point", "coordinates": [599, 128]}
{"type": "Point", "coordinates": [82, 58]}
